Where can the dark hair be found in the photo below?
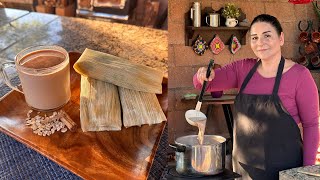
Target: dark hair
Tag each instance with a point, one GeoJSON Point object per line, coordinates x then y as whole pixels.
{"type": "Point", "coordinates": [268, 19]}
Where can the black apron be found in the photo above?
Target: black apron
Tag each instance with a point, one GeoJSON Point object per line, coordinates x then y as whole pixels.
{"type": "Point", "coordinates": [266, 138]}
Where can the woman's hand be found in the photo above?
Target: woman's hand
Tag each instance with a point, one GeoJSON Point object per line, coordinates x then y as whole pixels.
{"type": "Point", "coordinates": [201, 75]}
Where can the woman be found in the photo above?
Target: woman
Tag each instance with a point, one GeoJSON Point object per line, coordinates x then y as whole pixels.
{"type": "Point", "coordinates": [275, 94]}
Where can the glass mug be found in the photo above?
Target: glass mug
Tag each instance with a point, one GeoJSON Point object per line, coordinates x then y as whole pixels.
{"type": "Point", "coordinates": [44, 72]}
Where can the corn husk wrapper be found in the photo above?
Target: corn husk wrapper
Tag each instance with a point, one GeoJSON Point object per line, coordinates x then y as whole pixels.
{"type": "Point", "coordinates": [99, 106]}
{"type": "Point", "coordinates": [119, 71]}
{"type": "Point", "coordinates": [140, 108]}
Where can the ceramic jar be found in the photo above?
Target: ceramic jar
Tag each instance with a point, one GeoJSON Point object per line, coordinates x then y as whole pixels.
{"type": "Point", "coordinates": [231, 22]}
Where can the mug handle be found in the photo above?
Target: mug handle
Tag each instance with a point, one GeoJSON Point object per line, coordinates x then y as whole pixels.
{"type": "Point", "coordinates": [236, 21]}
{"type": "Point", "coordinates": [6, 77]}
{"type": "Point", "coordinates": [207, 20]}
{"type": "Point", "coordinates": [191, 13]}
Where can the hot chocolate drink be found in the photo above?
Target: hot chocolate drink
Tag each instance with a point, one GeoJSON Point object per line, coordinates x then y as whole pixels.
{"type": "Point", "coordinates": [45, 78]}
{"type": "Point", "coordinates": [42, 59]}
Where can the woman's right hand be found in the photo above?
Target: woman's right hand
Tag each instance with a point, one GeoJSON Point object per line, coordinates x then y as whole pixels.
{"type": "Point", "coordinates": [201, 75]}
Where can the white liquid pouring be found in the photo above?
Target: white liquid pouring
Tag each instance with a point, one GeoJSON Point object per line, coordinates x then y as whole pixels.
{"type": "Point", "coordinates": [201, 124]}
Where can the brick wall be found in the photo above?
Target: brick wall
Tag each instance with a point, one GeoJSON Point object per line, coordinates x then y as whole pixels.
{"type": "Point", "coordinates": [18, 1]}
{"type": "Point", "coordinates": [183, 62]}
{"type": "Point", "coordinates": [19, 4]}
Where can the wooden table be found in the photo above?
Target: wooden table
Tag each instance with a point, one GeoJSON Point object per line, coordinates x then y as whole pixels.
{"type": "Point", "coordinates": [93, 155]}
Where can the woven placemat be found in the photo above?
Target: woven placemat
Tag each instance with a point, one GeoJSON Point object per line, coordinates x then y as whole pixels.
{"type": "Point", "coordinates": [160, 160]}
{"type": "Point", "coordinates": [19, 162]}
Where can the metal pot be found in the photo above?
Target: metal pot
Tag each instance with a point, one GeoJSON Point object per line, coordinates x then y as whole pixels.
{"type": "Point", "coordinates": [206, 159]}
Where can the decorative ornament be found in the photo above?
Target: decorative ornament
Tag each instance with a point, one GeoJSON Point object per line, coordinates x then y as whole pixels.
{"type": "Point", "coordinates": [300, 1]}
{"type": "Point", "coordinates": [216, 45]}
{"type": "Point", "coordinates": [304, 35]}
{"type": "Point", "coordinates": [315, 61]}
{"type": "Point", "coordinates": [304, 61]}
{"type": "Point", "coordinates": [200, 46]}
{"type": "Point", "coordinates": [235, 44]}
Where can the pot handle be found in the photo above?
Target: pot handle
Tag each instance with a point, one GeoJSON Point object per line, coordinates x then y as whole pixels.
{"type": "Point", "coordinates": [178, 148]}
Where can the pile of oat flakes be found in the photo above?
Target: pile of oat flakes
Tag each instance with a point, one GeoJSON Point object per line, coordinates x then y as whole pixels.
{"type": "Point", "coordinates": [46, 125]}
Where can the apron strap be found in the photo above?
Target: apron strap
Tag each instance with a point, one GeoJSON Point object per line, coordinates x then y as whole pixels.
{"type": "Point", "coordinates": [278, 77]}
{"type": "Point", "coordinates": [249, 76]}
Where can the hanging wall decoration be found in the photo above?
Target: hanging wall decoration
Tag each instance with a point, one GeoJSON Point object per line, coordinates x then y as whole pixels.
{"type": "Point", "coordinates": [300, 1]}
{"type": "Point", "coordinates": [234, 44]}
{"type": "Point", "coordinates": [216, 45]}
{"type": "Point", "coordinates": [315, 61]}
{"type": "Point", "coordinates": [303, 59]}
{"type": "Point", "coordinates": [200, 46]}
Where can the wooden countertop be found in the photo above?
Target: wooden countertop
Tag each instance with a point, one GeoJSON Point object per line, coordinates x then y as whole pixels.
{"type": "Point", "coordinates": [301, 173]}
{"type": "Point", "coordinates": [21, 29]}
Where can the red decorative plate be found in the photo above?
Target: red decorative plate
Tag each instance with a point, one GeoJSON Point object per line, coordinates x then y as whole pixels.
{"type": "Point", "coordinates": [216, 45]}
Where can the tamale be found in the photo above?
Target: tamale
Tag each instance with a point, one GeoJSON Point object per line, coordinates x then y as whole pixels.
{"type": "Point", "coordinates": [99, 106]}
{"type": "Point", "coordinates": [119, 71]}
{"type": "Point", "coordinates": [140, 108]}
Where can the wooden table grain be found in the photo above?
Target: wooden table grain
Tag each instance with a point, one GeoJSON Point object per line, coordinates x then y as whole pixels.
{"type": "Point", "coordinates": [125, 154]}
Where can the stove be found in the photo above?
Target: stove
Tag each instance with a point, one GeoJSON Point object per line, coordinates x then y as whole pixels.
{"type": "Point", "coordinates": [172, 174]}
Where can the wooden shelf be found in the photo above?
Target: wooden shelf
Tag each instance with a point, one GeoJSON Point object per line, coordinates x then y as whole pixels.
{"type": "Point", "coordinates": [208, 99]}
{"type": "Point", "coordinates": [207, 33]}
{"type": "Point", "coordinates": [221, 28]}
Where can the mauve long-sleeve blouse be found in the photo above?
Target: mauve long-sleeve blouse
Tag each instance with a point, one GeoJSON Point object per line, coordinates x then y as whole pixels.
{"type": "Point", "coordinates": [298, 93]}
